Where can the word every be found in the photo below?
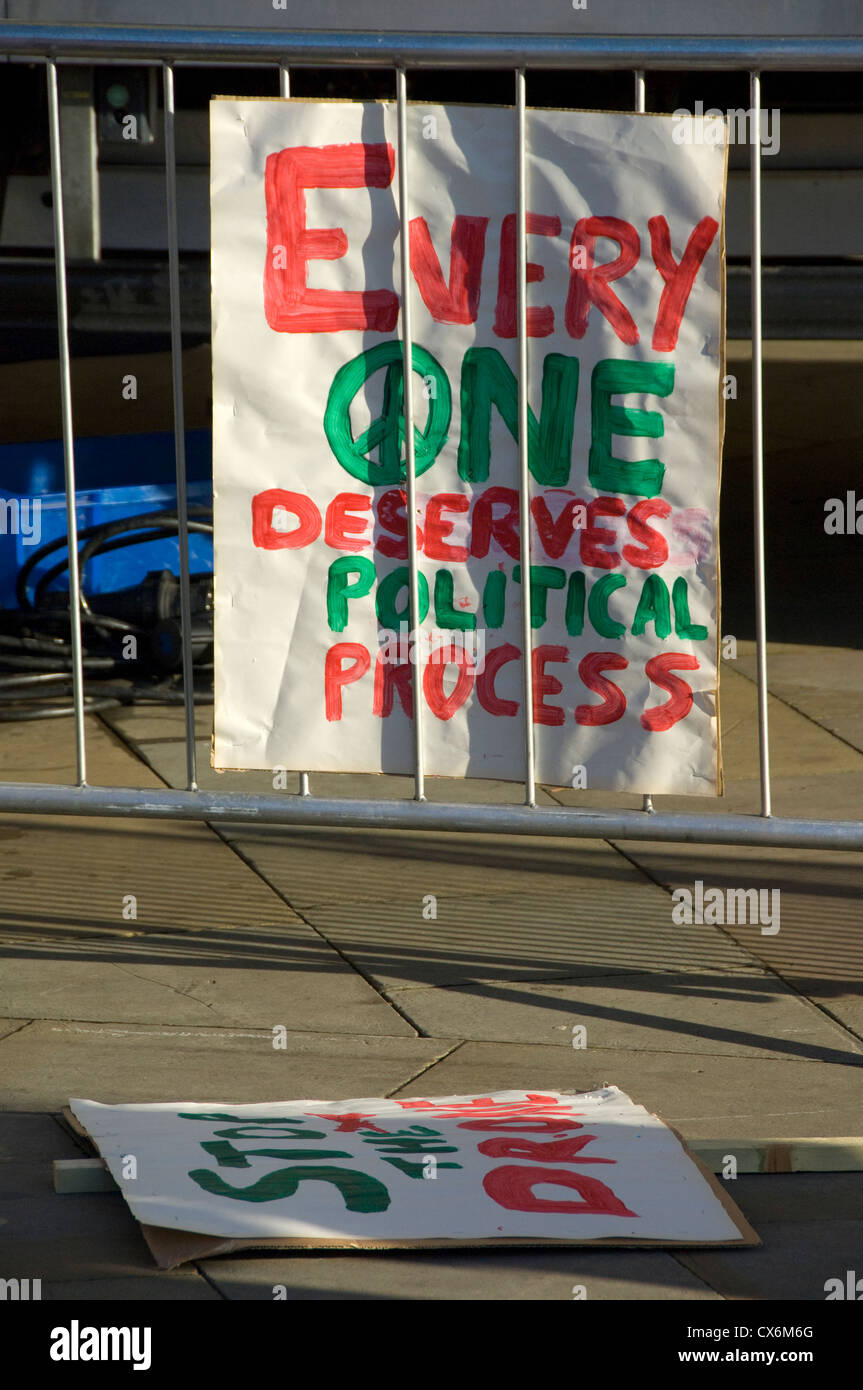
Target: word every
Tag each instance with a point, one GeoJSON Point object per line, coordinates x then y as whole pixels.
{"type": "Point", "coordinates": [292, 306]}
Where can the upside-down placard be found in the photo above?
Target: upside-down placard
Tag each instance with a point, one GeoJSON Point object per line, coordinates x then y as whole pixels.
{"type": "Point", "coordinates": [503, 1167]}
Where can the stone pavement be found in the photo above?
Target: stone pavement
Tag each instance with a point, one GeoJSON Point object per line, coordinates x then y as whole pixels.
{"type": "Point", "coordinates": [729, 1034]}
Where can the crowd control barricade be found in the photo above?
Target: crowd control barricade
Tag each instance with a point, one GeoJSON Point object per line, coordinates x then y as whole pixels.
{"type": "Point", "coordinates": [168, 49]}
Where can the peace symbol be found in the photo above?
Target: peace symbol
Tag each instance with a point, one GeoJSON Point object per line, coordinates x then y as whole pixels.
{"type": "Point", "coordinates": [386, 434]}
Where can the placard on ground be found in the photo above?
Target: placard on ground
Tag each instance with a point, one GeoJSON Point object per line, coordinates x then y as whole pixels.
{"type": "Point", "coordinates": [509, 1168]}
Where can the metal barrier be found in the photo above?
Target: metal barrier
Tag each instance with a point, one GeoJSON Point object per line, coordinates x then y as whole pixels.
{"type": "Point", "coordinates": [169, 48]}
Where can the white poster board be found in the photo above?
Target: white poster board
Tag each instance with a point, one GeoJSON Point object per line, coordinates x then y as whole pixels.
{"type": "Point", "coordinates": [511, 1165]}
{"type": "Point", "coordinates": [625, 330]}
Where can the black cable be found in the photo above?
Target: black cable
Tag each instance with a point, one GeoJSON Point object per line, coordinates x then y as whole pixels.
{"type": "Point", "coordinates": [36, 661]}
{"type": "Point", "coordinates": [42, 678]}
{"type": "Point", "coordinates": [92, 549]}
{"type": "Point", "coordinates": [108, 528]}
{"type": "Point", "coordinates": [46, 663]}
{"type": "Point", "coordinates": [50, 645]}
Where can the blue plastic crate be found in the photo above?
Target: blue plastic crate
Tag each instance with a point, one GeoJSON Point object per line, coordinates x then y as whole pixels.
{"type": "Point", "coordinates": [118, 569]}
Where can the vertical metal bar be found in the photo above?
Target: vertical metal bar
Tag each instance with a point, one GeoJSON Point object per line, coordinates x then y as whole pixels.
{"type": "Point", "coordinates": [523, 472]}
{"type": "Point", "coordinates": [179, 423]}
{"type": "Point", "coordinates": [758, 439]}
{"type": "Point", "coordinates": [640, 93]}
{"type": "Point", "coordinates": [285, 91]}
{"type": "Point", "coordinates": [68, 429]}
{"type": "Point", "coordinates": [640, 108]}
{"type": "Point", "coordinates": [410, 452]}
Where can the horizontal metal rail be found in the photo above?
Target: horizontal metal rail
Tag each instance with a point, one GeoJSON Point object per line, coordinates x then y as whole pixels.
{"type": "Point", "coordinates": [100, 43]}
{"type": "Point", "coordinates": [561, 822]}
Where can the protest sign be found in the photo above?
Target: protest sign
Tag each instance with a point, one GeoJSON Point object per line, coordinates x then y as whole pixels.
{"type": "Point", "coordinates": [314, 650]}
{"type": "Point", "coordinates": [510, 1166]}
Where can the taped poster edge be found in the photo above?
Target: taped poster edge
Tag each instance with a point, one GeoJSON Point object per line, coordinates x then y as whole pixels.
{"type": "Point", "coordinates": [720, 451]}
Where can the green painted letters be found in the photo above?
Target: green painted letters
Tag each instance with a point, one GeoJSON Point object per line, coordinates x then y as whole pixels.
{"type": "Point", "coordinates": [386, 434]}
{"type": "Point", "coordinates": [612, 377]}
{"type": "Point", "coordinates": [487, 380]}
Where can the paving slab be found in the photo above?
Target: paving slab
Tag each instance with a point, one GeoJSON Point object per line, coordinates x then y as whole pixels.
{"type": "Point", "coordinates": [316, 865]}
{"type": "Point", "coordinates": [28, 1146]}
{"type": "Point", "coordinates": [797, 745]}
{"type": "Point", "coordinates": [239, 931]}
{"type": "Point", "coordinates": [811, 796]}
{"type": "Point", "coordinates": [43, 750]}
{"type": "Point", "coordinates": [12, 1025]}
{"type": "Point", "coordinates": [819, 945]}
{"type": "Point", "coordinates": [703, 1096]}
{"type": "Point", "coordinates": [798, 1197]}
{"type": "Point", "coordinates": [822, 683]}
{"type": "Point", "coordinates": [512, 1275]}
{"type": "Point", "coordinates": [158, 739]}
{"type": "Point", "coordinates": [49, 1063]}
{"type": "Point", "coordinates": [53, 1237]}
{"type": "Point", "coordinates": [166, 923]}
{"type": "Point", "coordinates": [130, 877]}
{"type": "Point", "coordinates": [174, 980]}
{"type": "Point", "coordinates": [793, 1264]}
{"type": "Point", "coordinates": [181, 1285]}
{"type": "Point", "coordinates": [105, 942]}
{"type": "Point", "coordinates": [574, 909]}
{"type": "Point", "coordinates": [26, 1138]}
{"type": "Point", "coordinates": [601, 929]}
{"type": "Point", "coordinates": [718, 1015]}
